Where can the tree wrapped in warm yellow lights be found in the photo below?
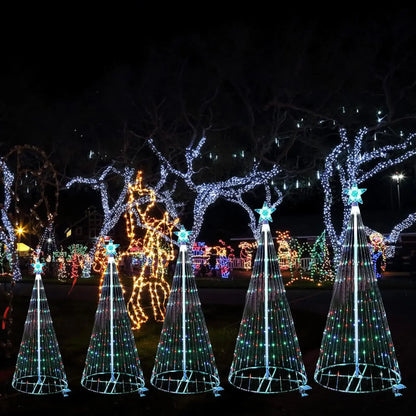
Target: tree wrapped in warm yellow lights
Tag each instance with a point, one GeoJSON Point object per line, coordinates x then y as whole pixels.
{"type": "Point", "coordinates": [157, 249]}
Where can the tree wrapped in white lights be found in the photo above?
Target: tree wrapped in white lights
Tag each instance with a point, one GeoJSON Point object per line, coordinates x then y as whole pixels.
{"type": "Point", "coordinates": [357, 353]}
{"type": "Point", "coordinates": [47, 243]}
{"type": "Point", "coordinates": [184, 362]}
{"type": "Point", "coordinates": [101, 183]}
{"type": "Point", "coordinates": [35, 191]}
{"type": "Point", "coordinates": [238, 199]}
{"type": "Point", "coordinates": [112, 365]}
{"type": "Point", "coordinates": [353, 165]}
{"type": "Point", "coordinates": [7, 232]}
{"type": "Point", "coordinates": [47, 246]}
{"type": "Point", "coordinates": [206, 194]}
{"type": "Point", "coordinates": [267, 356]}
{"type": "Point", "coordinates": [39, 367]}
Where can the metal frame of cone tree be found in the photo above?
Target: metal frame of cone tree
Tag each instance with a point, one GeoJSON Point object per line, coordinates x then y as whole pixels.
{"type": "Point", "coordinates": [184, 362]}
{"type": "Point", "coordinates": [357, 354]}
{"type": "Point", "coordinates": [39, 368]}
{"type": "Point", "coordinates": [267, 357]}
{"type": "Point", "coordinates": [112, 364]}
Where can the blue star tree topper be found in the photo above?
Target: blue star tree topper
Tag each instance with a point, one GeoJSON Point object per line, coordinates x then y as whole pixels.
{"type": "Point", "coordinates": [183, 235]}
{"type": "Point", "coordinates": [265, 213]}
{"type": "Point", "coordinates": [111, 248]}
{"type": "Point", "coordinates": [354, 194]}
{"type": "Point", "coordinates": [38, 267]}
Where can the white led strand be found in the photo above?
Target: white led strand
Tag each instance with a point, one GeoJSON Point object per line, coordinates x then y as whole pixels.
{"type": "Point", "coordinates": [182, 250]}
{"type": "Point", "coordinates": [265, 228]}
{"type": "Point", "coordinates": [354, 211]}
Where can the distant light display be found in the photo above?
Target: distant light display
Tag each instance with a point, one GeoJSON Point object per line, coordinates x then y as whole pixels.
{"type": "Point", "coordinates": [220, 255]}
{"type": "Point", "coordinates": [246, 253]}
{"type": "Point", "coordinates": [321, 265]}
{"type": "Point", "coordinates": [378, 252]}
{"type": "Point", "coordinates": [284, 253]}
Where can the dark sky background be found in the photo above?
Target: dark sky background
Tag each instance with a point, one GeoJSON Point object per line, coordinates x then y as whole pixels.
{"type": "Point", "coordinates": [55, 58]}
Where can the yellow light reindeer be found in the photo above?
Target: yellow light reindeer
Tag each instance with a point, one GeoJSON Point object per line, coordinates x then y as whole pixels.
{"type": "Point", "coordinates": [156, 248]}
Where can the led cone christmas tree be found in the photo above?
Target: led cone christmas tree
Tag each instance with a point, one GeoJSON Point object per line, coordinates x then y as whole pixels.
{"type": "Point", "coordinates": [267, 357]}
{"type": "Point", "coordinates": [357, 353]}
{"type": "Point", "coordinates": [112, 365]}
{"type": "Point", "coordinates": [185, 362]}
{"type": "Point", "coordinates": [39, 367]}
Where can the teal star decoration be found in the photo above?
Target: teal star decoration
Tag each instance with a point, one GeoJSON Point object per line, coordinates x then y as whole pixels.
{"type": "Point", "coordinates": [182, 235]}
{"type": "Point", "coordinates": [265, 213]}
{"type": "Point", "coordinates": [111, 248]}
{"type": "Point", "coordinates": [355, 193]}
{"type": "Point", "coordinates": [38, 267]}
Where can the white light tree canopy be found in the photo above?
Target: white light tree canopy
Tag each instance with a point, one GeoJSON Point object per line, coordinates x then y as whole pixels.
{"type": "Point", "coordinates": [353, 162]}
{"type": "Point", "coordinates": [101, 183]}
{"type": "Point", "coordinates": [207, 193]}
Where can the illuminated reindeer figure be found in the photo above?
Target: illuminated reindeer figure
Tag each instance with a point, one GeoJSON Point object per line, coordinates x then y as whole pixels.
{"type": "Point", "coordinates": [157, 249]}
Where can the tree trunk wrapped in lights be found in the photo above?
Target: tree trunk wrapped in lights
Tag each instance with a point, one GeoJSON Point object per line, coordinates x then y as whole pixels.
{"type": "Point", "coordinates": [267, 357]}
{"type": "Point", "coordinates": [357, 353]}
{"type": "Point", "coordinates": [185, 362]}
{"type": "Point", "coordinates": [112, 365]}
{"type": "Point", "coordinates": [39, 367]}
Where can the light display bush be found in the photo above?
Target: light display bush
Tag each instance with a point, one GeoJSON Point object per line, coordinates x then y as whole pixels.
{"type": "Point", "coordinates": [267, 357]}
{"type": "Point", "coordinates": [357, 354]}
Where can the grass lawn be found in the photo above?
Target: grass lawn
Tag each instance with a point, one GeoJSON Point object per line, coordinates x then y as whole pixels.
{"type": "Point", "coordinates": [73, 320]}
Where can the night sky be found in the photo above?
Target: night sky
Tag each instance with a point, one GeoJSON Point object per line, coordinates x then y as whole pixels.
{"type": "Point", "coordinates": [67, 67]}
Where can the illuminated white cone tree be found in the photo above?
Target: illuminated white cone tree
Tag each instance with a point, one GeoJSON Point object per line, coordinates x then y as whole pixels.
{"type": "Point", "coordinates": [267, 357]}
{"type": "Point", "coordinates": [39, 368]}
{"type": "Point", "coordinates": [184, 362]}
{"type": "Point", "coordinates": [357, 353]}
{"type": "Point", "coordinates": [112, 365]}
